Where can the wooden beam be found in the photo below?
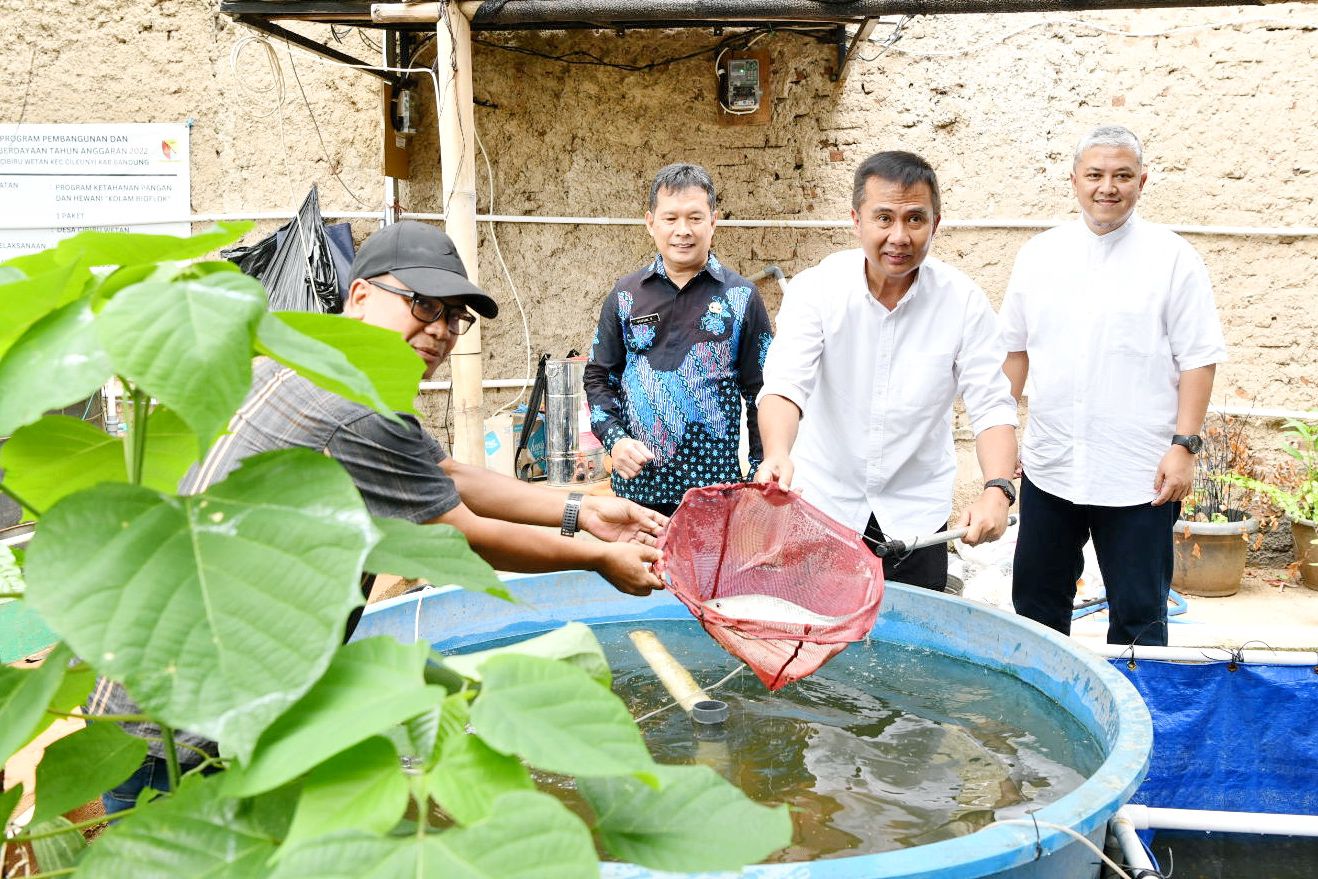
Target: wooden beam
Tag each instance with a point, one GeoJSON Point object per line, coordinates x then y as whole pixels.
{"type": "Point", "coordinates": [457, 152]}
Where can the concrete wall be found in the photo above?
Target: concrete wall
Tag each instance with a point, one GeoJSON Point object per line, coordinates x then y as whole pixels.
{"type": "Point", "coordinates": [996, 103]}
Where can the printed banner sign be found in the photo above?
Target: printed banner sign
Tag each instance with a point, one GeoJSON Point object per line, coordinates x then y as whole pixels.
{"type": "Point", "coordinates": [56, 180]}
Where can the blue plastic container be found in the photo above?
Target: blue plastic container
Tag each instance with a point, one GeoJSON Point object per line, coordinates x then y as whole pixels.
{"type": "Point", "coordinates": [1100, 699]}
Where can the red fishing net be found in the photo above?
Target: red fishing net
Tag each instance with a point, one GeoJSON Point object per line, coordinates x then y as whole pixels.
{"type": "Point", "coordinates": [776, 582]}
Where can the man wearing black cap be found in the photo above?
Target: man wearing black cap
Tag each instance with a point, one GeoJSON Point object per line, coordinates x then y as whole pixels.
{"type": "Point", "coordinates": [407, 278]}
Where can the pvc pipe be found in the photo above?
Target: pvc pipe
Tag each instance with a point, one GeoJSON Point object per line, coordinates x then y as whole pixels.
{"type": "Point", "coordinates": [1132, 850]}
{"type": "Point", "coordinates": [1207, 654]}
{"type": "Point", "coordinates": [676, 679]}
{"type": "Point", "coordinates": [1266, 823]}
{"type": "Point", "coordinates": [1266, 231]}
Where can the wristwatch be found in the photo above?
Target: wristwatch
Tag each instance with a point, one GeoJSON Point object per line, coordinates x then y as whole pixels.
{"type": "Point", "coordinates": [1007, 488]}
{"type": "Point", "coordinates": [571, 512]}
{"type": "Point", "coordinates": [1193, 442]}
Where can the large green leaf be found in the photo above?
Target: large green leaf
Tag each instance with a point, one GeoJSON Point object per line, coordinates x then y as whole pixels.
{"type": "Point", "coordinates": [529, 836]}
{"type": "Point", "coordinates": [470, 776]}
{"type": "Point", "coordinates": [416, 738]}
{"type": "Point", "coordinates": [56, 363]}
{"type": "Point", "coordinates": [574, 643]}
{"type": "Point", "coordinates": [197, 832]}
{"type": "Point", "coordinates": [219, 610]}
{"type": "Point", "coordinates": [59, 851]}
{"type": "Point", "coordinates": [557, 718]}
{"type": "Point", "coordinates": [95, 248]}
{"type": "Point", "coordinates": [187, 343]}
{"type": "Point", "coordinates": [72, 693]}
{"type": "Point", "coordinates": [370, 686]}
{"type": "Point", "coordinates": [83, 765]}
{"type": "Point", "coordinates": [359, 362]}
{"type": "Point", "coordinates": [363, 788]}
{"type": "Point", "coordinates": [60, 455]}
{"type": "Point", "coordinates": [8, 800]}
{"type": "Point", "coordinates": [24, 695]}
{"type": "Point", "coordinates": [439, 554]}
{"type": "Point", "coordinates": [25, 301]}
{"type": "Point", "coordinates": [695, 821]}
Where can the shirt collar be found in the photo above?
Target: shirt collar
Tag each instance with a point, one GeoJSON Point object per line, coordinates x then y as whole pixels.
{"type": "Point", "coordinates": [1115, 235]}
{"type": "Point", "coordinates": [863, 287]}
{"type": "Point", "coordinates": [712, 266]}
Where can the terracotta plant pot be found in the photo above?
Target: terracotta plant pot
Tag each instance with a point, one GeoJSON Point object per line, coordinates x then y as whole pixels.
{"type": "Point", "coordinates": [1304, 533]}
{"type": "Point", "coordinates": [1210, 556]}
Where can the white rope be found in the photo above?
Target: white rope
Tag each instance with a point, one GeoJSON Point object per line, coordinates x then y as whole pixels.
{"type": "Point", "coordinates": [662, 708]}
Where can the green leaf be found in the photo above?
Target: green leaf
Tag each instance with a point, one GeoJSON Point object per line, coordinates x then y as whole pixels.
{"type": "Point", "coordinates": [83, 765]}
{"type": "Point", "coordinates": [370, 686]}
{"type": "Point", "coordinates": [24, 695]}
{"type": "Point", "coordinates": [470, 776]}
{"type": "Point", "coordinates": [25, 301]}
{"type": "Point", "coordinates": [11, 578]}
{"type": "Point", "coordinates": [196, 832]}
{"type": "Point", "coordinates": [556, 718]}
{"type": "Point", "coordinates": [453, 720]}
{"type": "Point", "coordinates": [56, 363]}
{"type": "Point", "coordinates": [58, 852]}
{"type": "Point", "coordinates": [359, 362]}
{"type": "Point", "coordinates": [349, 855]}
{"type": "Point", "coordinates": [60, 455]}
{"type": "Point", "coordinates": [418, 736]}
{"type": "Point", "coordinates": [187, 343]}
{"type": "Point", "coordinates": [95, 248]}
{"type": "Point", "coordinates": [72, 693]}
{"type": "Point", "coordinates": [362, 788]}
{"type": "Point", "coordinates": [529, 835]}
{"type": "Point", "coordinates": [695, 821]}
{"type": "Point", "coordinates": [574, 643]}
{"type": "Point", "coordinates": [217, 611]}
{"type": "Point", "coordinates": [8, 800]}
{"type": "Point", "coordinates": [438, 554]}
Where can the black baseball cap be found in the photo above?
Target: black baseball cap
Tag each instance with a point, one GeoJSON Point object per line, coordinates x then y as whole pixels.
{"type": "Point", "coordinates": [423, 258]}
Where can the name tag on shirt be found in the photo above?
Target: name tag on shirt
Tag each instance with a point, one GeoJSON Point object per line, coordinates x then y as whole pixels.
{"type": "Point", "coordinates": [644, 320]}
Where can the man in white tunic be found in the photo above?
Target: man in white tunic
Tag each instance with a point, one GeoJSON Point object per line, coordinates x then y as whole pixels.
{"type": "Point", "coordinates": [1112, 318]}
{"type": "Point", "coordinates": [872, 347]}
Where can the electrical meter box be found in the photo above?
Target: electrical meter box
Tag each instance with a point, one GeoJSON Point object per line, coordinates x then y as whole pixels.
{"type": "Point", "coordinates": [741, 85]}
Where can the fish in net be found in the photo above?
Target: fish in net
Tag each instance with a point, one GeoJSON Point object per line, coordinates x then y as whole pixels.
{"type": "Point", "coordinates": [776, 582]}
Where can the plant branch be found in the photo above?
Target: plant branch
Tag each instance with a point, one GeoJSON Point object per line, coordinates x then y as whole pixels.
{"type": "Point", "coordinates": [4, 595]}
{"type": "Point", "coordinates": [141, 405]}
{"type": "Point", "coordinates": [171, 755]}
{"type": "Point", "coordinates": [18, 499]}
{"type": "Point", "coordinates": [81, 825]}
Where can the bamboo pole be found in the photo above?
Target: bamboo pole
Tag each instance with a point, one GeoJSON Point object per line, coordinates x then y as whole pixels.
{"type": "Point", "coordinates": [676, 679]}
{"type": "Point", "coordinates": [457, 150]}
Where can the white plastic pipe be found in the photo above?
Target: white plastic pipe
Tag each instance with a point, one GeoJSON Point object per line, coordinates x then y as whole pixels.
{"type": "Point", "coordinates": [1207, 654]}
{"type": "Point", "coordinates": [1150, 818]}
{"type": "Point", "coordinates": [1132, 850]}
{"type": "Point", "coordinates": [676, 679]}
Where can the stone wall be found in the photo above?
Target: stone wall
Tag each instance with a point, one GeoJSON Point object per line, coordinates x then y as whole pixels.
{"type": "Point", "coordinates": [996, 103]}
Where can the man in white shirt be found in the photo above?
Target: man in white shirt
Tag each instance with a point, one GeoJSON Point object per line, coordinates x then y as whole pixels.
{"type": "Point", "coordinates": [1112, 318]}
{"type": "Point", "coordinates": [872, 347]}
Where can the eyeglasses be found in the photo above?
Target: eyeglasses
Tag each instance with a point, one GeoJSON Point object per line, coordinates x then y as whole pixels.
{"type": "Point", "coordinates": [427, 309]}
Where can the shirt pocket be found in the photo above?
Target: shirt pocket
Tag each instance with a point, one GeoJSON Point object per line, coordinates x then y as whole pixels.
{"type": "Point", "coordinates": [1131, 334]}
{"type": "Point", "coordinates": [925, 381]}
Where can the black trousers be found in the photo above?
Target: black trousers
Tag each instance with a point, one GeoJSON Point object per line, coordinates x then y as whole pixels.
{"type": "Point", "coordinates": [1134, 549]}
{"type": "Point", "coordinates": [924, 567]}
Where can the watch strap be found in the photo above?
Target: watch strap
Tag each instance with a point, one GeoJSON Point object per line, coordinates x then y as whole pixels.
{"type": "Point", "coordinates": [571, 514]}
{"type": "Point", "coordinates": [1006, 487]}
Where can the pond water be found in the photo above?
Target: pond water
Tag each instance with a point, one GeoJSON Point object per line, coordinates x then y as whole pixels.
{"type": "Point", "coordinates": [885, 747]}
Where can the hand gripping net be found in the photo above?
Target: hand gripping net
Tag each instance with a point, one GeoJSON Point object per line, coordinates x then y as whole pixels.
{"type": "Point", "coordinates": [776, 582]}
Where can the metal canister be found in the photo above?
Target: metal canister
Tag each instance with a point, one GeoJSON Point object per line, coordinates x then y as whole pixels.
{"type": "Point", "coordinates": [573, 454]}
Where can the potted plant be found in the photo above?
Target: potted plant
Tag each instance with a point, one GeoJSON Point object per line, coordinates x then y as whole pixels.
{"type": "Point", "coordinates": [371, 758]}
{"type": "Point", "coordinates": [1211, 539]}
{"type": "Point", "coordinates": [1300, 503]}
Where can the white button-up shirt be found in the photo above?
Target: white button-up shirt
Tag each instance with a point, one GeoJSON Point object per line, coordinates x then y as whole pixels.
{"type": "Point", "coordinates": [1109, 323]}
{"type": "Point", "coordinates": [875, 388]}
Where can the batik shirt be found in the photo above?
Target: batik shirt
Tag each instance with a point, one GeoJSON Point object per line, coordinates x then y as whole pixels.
{"type": "Point", "coordinates": [671, 368]}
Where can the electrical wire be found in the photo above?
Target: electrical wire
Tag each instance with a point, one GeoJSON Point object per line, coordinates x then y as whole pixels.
{"type": "Point", "coordinates": [710, 689]}
{"type": "Point", "coordinates": [1077, 835]}
{"type": "Point", "coordinates": [316, 125]}
{"type": "Point", "coordinates": [508, 276]}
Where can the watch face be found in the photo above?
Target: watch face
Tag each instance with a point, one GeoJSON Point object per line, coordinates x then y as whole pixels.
{"type": "Point", "coordinates": [1193, 443]}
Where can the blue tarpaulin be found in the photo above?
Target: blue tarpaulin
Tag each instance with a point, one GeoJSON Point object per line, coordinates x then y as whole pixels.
{"type": "Point", "coordinates": [1230, 736]}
